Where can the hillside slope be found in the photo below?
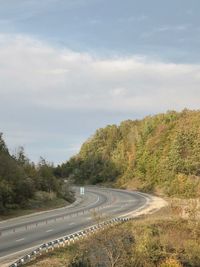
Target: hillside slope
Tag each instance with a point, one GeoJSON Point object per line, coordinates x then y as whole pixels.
{"type": "Point", "coordinates": [159, 152]}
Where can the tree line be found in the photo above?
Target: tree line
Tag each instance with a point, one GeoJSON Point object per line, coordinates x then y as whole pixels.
{"type": "Point", "coordinates": [21, 180]}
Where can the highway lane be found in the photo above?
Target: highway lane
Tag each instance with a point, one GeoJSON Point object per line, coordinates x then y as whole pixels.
{"type": "Point", "coordinates": [87, 201]}
{"type": "Point", "coordinates": [29, 231]}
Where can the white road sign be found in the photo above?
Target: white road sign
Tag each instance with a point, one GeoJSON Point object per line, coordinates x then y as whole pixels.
{"type": "Point", "coordinates": [82, 190]}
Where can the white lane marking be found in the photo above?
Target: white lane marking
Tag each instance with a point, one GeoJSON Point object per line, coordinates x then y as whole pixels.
{"type": "Point", "coordinates": [96, 201]}
{"type": "Point", "coordinates": [147, 201]}
{"type": "Point", "coordinates": [72, 223]}
{"type": "Point", "coordinates": [50, 230]}
{"type": "Point", "coordinates": [91, 204]}
{"type": "Point", "coordinates": [21, 239]}
{"type": "Point", "coordinates": [131, 200]}
{"type": "Point", "coordinates": [43, 212]}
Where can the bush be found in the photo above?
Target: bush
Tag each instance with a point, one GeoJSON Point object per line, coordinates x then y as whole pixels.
{"type": "Point", "coordinates": [192, 253]}
{"type": "Point", "coordinates": [44, 196]}
{"type": "Point", "coordinates": [170, 263]}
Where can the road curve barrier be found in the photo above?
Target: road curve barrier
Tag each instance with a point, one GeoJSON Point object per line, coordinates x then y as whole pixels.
{"type": "Point", "coordinates": [66, 240]}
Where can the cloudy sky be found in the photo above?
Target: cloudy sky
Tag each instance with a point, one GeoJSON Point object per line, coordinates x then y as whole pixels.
{"type": "Point", "coordinates": [68, 67]}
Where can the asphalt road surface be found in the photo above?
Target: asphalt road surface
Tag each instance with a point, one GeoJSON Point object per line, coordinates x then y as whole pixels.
{"type": "Point", "coordinates": [19, 235]}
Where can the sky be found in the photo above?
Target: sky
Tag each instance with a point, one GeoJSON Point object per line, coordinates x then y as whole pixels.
{"type": "Point", "coordinates": [68, 67]}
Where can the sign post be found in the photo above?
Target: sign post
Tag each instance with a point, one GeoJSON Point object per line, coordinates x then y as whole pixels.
{"type": "Point", "coordinates": [82, 190]}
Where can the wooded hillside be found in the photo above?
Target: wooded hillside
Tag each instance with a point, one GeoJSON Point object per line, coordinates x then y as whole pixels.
{"type": "Point", "coordinates": [160, 152]}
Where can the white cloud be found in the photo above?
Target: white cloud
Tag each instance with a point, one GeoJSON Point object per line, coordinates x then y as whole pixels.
{"type": "Point", "coordinates": [41, 84]}
{"type": "Point", "coordinates": [44, 76]}
{"type": "Point", "coordinates": [118, 91]}
{"type": "Point", "coordinates": [164, 29]}
{"type": "Point", "coordinates": [139, 18]}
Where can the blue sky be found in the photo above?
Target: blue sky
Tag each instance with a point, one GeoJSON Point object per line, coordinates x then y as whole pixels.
{"type": "Point", "coordinates": [169, 29]}
{"type": "Point", "coordinates": [68, 67]}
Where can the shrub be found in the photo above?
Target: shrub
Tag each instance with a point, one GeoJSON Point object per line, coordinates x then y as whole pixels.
{"type": "Point", "coordinates": [170, 263]}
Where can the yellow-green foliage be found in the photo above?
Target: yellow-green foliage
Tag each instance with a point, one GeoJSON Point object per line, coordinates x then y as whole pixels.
{"type": "Point", "coordinates": [170, 263]}
{"type": "Point", "coordinates": [159, 151]}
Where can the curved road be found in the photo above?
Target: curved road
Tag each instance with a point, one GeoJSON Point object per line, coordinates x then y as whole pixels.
{"type": "Point", "coordinates": [19, 235]}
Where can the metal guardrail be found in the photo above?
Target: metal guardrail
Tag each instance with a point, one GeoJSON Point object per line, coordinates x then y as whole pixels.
{"type": "Point", "coordinates": [28, 226]}
{"type": "Point", "coordinates": [65, 240]}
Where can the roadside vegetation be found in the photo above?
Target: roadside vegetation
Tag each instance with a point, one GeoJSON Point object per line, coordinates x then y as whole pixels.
{"type": "Point", "coordinates": [158, 154]}
{"type": "Point", "coordinates": [26, 187]}
{"type": "Point", "coordinates": [169, 238]}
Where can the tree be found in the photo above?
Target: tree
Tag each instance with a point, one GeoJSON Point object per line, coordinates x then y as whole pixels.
{"type": "Point", "coordinates": [3, 147]}
{"type": "Point", "coordinates": [6, 195]}
{"type": "Point", "coordinates": [111, 248]}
